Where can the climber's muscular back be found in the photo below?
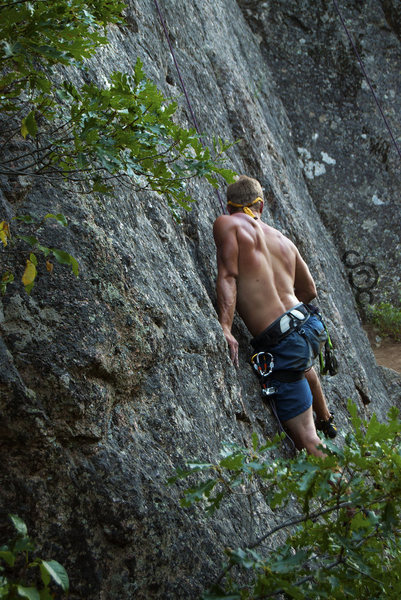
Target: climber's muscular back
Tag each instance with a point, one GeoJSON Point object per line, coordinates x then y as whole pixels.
{"type": "Point", "coordinates": [271, 275]}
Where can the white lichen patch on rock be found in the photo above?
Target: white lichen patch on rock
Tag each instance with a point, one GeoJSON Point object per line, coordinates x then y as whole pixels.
{"type": "Point", "coordinates": [369, 225]}
{"type": "Point", "coordinates": [376, 200]}
{"type": "Point", "coordinates": [328, 159]}
{"type": "Point", "coordinates": [313, 168]}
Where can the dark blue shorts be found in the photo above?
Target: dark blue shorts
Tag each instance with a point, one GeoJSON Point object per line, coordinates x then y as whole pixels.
{"type": "Point", "coordinates": [292, 398]}
{"type": "Point", "coordinates": [296, 352]}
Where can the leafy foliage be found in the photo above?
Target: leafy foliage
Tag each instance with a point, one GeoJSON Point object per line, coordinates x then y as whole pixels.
{"type": "Point", "coordinates": [38, 35]}
{"type": "Point", "coordinates": [91, 135]}
{"type": "Point", "coordinates": [387, 319]}
{"type": "Point", "coordinates": [18, 573]}
{"type": "Point", "coordinates": [343, 538]}
{"type": "Point", "coordinates": [30, 239]}
{"type": "Point", "coordinates": [88, 136]}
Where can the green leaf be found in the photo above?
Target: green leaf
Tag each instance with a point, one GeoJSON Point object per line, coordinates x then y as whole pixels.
{"type": "Point", "coordinates": [393, 413]}
{"type": "Point", "coordinates": [253, 466]}
{"type": "Point", "coordinates": [102, 188]}
{"type": "Point", "coordinates": [57, 573]}
{"type": "Point", "coordinates": [198, 493]}
{"type": "Point", "coordinates": [66, 259]}
{"type": "Point", "coordinates": [59, 217]}
{"type": "Point", "coordinates": [227, 174]}
{"type": "Point", "coordinates": [61, 256]}
{"type": "Point", "coordinates": [23, 544]}
{"type": "Point", "coordinates": [8, 557]}
{"type": "Point", "coordinates": [29, 125]}
{"type": "Point", "coordinates": [28, 592]}
{"type": "Point", "coordinates": [138, 72]}
{"type": "Point", "coordinates": [44, 573]}
{"type": "Point", "coordinates": [25, 218]}
{"type": "Point", "coordinates": [19, 525]}
{"type": "Point", "coordinates": [359, 521]}
{"type": "Point", "coordinates": [46, 251]}
{"type": "Point", "coordinates": [24, 129]}
{"type": "Point", "coordinates": [8, 49]}
{"type": "Point", "coordinates": [248, 559]}
{"type": "Point", "coordinates": [29, 287]}
{"type": "Point", "coordinates": [6, 278]}
{"type": "Point", "coordinates": [214, 503]}
{"type": "Point", "coordinates": [293, 591]}
{"type": "Point", "coordinates": [284, 565]}
{"type": "Point", "coordinates": [307, 480]}
{"type": "Point", "coordinates": [390, 516]}
{"type": "Point", "coordinates": [74, 266]}
{"type": "Point", "coordinates": [212, 180]}
{"type": "Point", "coordinates": [234, 462]}
{"type": "Point", "coordinates": [29, 239]}
{"type": "Point", "coordinates": [373, 430]}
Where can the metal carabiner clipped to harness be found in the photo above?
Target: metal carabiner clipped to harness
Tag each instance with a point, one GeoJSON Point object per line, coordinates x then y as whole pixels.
{"type": "Point", "coordinates": [263, 363]}
{"type": "Point", "coordinates": [260, 364]}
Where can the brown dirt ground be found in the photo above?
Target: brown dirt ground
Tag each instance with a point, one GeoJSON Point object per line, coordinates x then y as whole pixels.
{"type": "Point", "coordinates": [386, 351]}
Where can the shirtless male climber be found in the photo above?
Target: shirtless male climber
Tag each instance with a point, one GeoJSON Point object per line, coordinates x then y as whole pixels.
{"type": "Point", "coordinates": [262, 275]}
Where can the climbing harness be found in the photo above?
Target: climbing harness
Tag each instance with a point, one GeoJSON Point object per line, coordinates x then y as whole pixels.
{"type": "Point", "coordinates": [264, 372]}
{"type": "Point", "coordinates": [194, 121]}
{"type": "Point", "coordinates": [262, 361]}
{"type": "Point", "coordinates": [290, 321]}
{"type": "Point", "coordinates": [367, 78]}
{"type": "Point", "coordinates": [245, 207]}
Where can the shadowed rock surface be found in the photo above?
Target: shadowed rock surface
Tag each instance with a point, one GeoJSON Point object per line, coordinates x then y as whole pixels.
{"type": "Point", "coordinates": [112, 380]}
{"type": "Point", "coordinates": [351, 165]}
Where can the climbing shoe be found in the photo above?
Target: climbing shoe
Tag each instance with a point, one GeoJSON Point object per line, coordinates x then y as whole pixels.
{"type": "Point", "coordinates": [327, 427]}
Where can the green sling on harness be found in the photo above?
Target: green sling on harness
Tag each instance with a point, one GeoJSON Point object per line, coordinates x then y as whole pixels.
{"type": "Point", "coordinates": [327, 359]}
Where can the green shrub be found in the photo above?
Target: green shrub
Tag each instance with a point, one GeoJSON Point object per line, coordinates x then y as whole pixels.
{"type": "Point", "coordinates": [87, 137]}
{"type": "Point", "coordinates": [90, 135]}
{"type": "Point", "coordinates": [387, 318]}
{"type": "Point", "coordinates": [342, 538]}
{"type": "Point", "coordinates": [19, 574]}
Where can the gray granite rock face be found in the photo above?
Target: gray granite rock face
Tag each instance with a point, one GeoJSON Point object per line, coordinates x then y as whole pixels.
{"type": "Point", "coordinates": [111, 381]}
{"type": "Point", "coordinates": [351, 164]}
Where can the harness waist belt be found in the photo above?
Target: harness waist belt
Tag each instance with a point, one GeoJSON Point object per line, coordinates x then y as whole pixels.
{"type": "Point", "coordinates": [287, 376]}
{"type": "Point", "coordinates": [288, 322]}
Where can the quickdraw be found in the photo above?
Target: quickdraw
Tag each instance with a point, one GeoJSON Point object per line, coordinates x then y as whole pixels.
{"type": "Point", "coordinates": [263, 369]}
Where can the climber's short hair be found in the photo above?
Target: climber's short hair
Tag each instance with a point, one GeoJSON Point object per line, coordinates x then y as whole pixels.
{"type": "Point", "coordinates": [244, 192]}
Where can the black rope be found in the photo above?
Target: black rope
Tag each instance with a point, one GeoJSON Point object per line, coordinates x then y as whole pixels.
{"type": "Point", "coordinates": [367, 78]}
{"type": "Point", "coordinates": [194, 121]}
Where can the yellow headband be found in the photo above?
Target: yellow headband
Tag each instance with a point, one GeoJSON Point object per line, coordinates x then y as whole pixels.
{"type": "Point", "coordinates": [245, 208]}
